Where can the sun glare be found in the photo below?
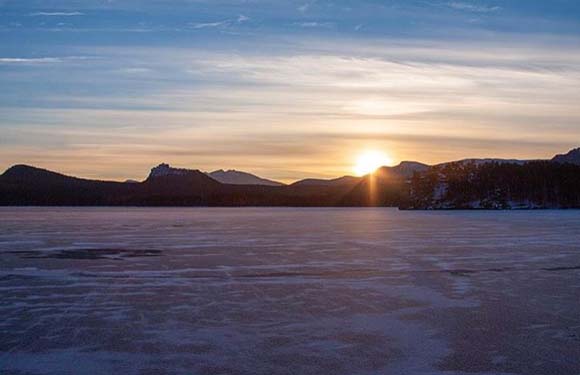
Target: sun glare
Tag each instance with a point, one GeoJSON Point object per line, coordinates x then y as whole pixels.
{"type": "Point", "coordinates": [370, 161]}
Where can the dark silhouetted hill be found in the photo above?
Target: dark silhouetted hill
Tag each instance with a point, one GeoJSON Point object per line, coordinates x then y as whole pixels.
{"type": "Point", "coordinates": [341, 181]}
{"type": "Point", "coordinates": [165, 186]}
{"type": "Point", "coordinates": [234, 177]}
{"type": "Point", "coordinates": [465, 184]}
{"type": "Point", "coordinates": [26, 185]}
{"type": "Point", "coordinates": [572, 157]}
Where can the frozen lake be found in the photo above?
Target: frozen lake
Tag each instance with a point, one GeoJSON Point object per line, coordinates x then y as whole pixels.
{"type": "Point", "coordinates": [288, 291]}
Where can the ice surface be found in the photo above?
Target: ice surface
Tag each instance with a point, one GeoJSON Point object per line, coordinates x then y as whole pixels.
{"type": "Point", "coordinates": [288, 291]}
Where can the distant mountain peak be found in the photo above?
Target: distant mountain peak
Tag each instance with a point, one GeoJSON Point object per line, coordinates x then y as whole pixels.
{"type": "Point", "coordinates": [340, 181]}
{"type": "Point", "coordinates": [411, 163]}
{"type": "Point", "coordinates": [408, 168]}
{"type": "Point", "coordinates": [573, 157]}
{"type": "Point", "coordinates": [231, 176]}
{"type": "Point", "coordinates": [165, 169]}
{"type": "Point", "coordinates": [234, 177]}
{"type": "Point", "coordinates": [405, 169]}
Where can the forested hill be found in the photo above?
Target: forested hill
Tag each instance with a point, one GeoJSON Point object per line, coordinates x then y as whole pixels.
{"type": "Point", "coordinates": [495, 185]}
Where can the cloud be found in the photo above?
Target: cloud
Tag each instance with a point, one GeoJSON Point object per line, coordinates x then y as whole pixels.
{"type": "Point", "coordinates": [44, 60]}
{"type": "Point", "coordinates": [286, 153]}
{"type": "Point", "coordinates": [220, 24]}
{"type": "Point", "coordinates": [308, 105]}
{"type": "Point", "coordinates": [56, 14]}
{"type": "Point", "coordinates": [472, 7]}
{"type": "Point", "coordinates": [207, 25]}
{"type": "Point", "coordinates": [314, 24]}
{"type": "Point", "coordinates": [22, 60]}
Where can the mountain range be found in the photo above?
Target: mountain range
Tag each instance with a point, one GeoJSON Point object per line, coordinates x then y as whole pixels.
{"type": "Point", "coordinates": [464, 184]}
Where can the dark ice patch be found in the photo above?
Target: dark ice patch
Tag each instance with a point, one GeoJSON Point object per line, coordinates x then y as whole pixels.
{"type": "Point", "coordinates": [570, 268]}
{"type": "Point", "coordinates": [90, 254]}
{"type": "Point", "coordinates": [468, 272]}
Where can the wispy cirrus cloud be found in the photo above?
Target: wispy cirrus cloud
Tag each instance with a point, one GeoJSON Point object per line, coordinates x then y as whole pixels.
{"type": "Point", "coordinates": [314, 24]}
{"type": "Point", "coordinates": [24, 60]}
{"type": "Point", "coordinates": [220, 24]}
{"type": "Point", "coordinates": [42, 60]}
{"type": "Point", "coordinates": [308, 107]}
{"type": "Point", "coordinates": [56, 14]}
{"type": "Point", "coordinates": [300, 87]}
{"type": "Point", "coordinates": [206, 25]}
{"type": "Point", "coordinates": [471, 7]}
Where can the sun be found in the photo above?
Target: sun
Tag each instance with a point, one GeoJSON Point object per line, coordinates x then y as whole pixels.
{"type": "Point", "coordinates": [370, 161]}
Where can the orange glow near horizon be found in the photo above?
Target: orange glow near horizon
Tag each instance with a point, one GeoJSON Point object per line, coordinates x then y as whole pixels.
{"type": "Point", "coordinates": [369, 161]}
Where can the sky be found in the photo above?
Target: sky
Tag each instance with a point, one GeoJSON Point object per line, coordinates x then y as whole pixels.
{"type": "Point", "coordinates": [284, 89]}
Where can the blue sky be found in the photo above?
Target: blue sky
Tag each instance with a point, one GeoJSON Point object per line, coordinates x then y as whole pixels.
{"type": "Point", "coordinates": [285, 89]}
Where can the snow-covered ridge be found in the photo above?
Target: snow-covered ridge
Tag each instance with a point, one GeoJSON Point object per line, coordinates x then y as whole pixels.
{"type": "Point", "coordinates": [481, 161]}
